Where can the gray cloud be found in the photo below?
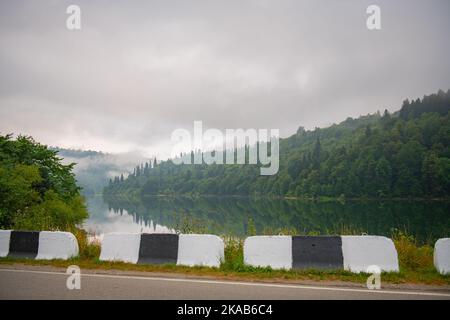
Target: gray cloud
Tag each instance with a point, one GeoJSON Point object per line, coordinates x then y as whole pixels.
{"type": "Point", "coordinates": [140, 69]}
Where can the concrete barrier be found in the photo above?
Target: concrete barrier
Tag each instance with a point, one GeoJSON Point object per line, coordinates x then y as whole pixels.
{"type": "Point", "coordinates": [200, 250]}
{"type": "Point", "coordinates": [120, 247]}
{"type": "Point", "coordinates": [24, 244]}
{"type": "Point", "coordinates": [268, 251]}
{"type": "Point", "coordinates": [442, 255]}
{"type": "Point", "coordinates": [353, 253]}
{"type": "Point", "coordinates": [158, 248]}
{"type": "Point", "coordinates": [43, 245]}
{"type": "Point", "coordinates": [57, 245]}
{"type": "Point", "coordinates": [163, 248]}
{"type": "Point", "coordinates": [320, 252]}
{"type": "Point", "coordinates": [5, 235]}
{"type": "Point", "coordinates": [360, 252]}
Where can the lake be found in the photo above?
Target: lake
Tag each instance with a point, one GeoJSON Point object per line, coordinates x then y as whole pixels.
{"type": "Point", "coordinates": [427, 221]}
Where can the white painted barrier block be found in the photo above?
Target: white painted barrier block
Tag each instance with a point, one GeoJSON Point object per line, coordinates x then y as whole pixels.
{"type": "Point", "coordinates": [5, 235]}
{"type": "Point", "coordinates": [120, 247]}
{"type": "Point", "coordinates": [57, 245]}
{"type": "Point", "coordinates": [200, 250]}
{"type": "Point", "coordinates": [360, 252]}
{"type": "Point", "coordinates": [442, 255]}
{"type": "Point", "coordinates": [265, 251]}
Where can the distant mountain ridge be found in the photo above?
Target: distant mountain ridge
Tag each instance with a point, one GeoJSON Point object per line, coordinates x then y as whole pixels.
{"type": "Point", "coordinates": [77, 153]}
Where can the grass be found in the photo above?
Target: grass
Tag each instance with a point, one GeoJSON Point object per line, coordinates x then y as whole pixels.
{"type": "Point", "coordinates": [87, 251]}
{"type": "Point", "coordinates": [416, 264]}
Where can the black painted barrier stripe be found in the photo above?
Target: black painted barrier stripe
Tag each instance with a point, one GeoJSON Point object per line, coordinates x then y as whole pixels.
{"type": "Point", "coordinates": [317, 252]}
{"type": "Point", "coordinates": [158, 248]}
{"type": "Point", "coordinates": [24, 244]}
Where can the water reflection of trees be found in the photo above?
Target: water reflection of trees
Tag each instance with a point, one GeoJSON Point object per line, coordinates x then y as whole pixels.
{"type": "Point", "coordinates": [227, 215]}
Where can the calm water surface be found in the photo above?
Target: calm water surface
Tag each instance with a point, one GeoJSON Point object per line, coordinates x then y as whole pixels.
{"type": "Point", "coordinates": [237, 216]}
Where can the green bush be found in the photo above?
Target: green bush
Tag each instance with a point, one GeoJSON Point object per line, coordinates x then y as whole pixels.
{"type": "Point", "coordinates": [234, 255]}
{"type": "Point", "coordinates": [88, 249]}
{"type": "Point", "coordinates": [37, 191]}
{"type": "Point", "coordinates": [412, 256]}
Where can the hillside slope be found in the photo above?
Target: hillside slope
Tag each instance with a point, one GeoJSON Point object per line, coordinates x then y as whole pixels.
{"type": "Point", "coordinates": [404, 154]}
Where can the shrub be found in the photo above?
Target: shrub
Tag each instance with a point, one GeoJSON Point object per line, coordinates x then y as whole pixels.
{"type": "Point", "coordinates": [411, 255]}
{"type": "Point", "coordinates": [88, 249]}
{"type": "Point", "coordinates": [37, 191]}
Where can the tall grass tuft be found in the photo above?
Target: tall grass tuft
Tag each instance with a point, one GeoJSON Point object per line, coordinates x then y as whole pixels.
{"type": "Point", "coordinates": [88, 249]}
{"type": "Point", "coordinates": [234, 255]}
{"type": "Point", "coordinates": [411, 255]}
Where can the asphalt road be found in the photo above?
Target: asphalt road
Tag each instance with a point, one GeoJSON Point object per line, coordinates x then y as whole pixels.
{"type": "Point", "coordinates": [38, 284]}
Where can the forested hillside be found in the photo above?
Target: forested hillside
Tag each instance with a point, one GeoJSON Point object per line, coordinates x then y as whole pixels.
{"type": "Point", "coordinates": [404, 154]}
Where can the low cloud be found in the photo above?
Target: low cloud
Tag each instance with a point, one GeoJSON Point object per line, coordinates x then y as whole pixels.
{"type": "Point", "coordinates": [139, 70]}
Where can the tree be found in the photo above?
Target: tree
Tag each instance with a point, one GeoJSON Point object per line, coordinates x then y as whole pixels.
{"type": "Point", "coordinates": [383, 172]}
{"type": "Point", "coordinates": [431, 174]}
{"type": "Point", "coordinates": [36, 190]}
{"type": "Point", "coordinates": [368, 131]}
{"type": "Point", "coordinates": [316, 155]}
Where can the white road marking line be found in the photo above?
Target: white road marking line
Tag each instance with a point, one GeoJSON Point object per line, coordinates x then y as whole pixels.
{"type": "Point", "coordinates": [271, 285]}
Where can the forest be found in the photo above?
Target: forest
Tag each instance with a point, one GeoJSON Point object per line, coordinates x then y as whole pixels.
{"type": "Point", "coordinates": [381, 155]}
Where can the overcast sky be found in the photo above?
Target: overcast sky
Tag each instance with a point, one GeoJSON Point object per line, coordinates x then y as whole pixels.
{"type": "Point", "coordinates": [137, 70]}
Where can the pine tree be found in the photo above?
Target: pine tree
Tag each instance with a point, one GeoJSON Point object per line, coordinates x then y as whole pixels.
{"type": "Point", "coordinates": [317, 153]}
